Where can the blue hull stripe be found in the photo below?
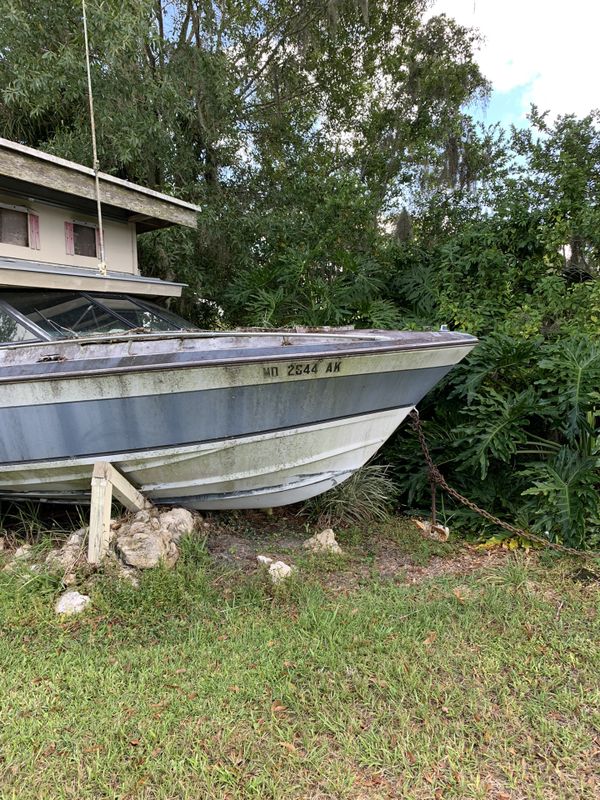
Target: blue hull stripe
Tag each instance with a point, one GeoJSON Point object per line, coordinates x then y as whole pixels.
{"type": "Point", "coordinates": [89, 427]}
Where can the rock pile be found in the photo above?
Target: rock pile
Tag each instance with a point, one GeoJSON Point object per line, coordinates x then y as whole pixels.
{"type": "Point", "coordinates": [152, 537]}
{"type": "Point", "coordinates": [145, 540]}
{"type": "Point", "coordinates": [70, 555]}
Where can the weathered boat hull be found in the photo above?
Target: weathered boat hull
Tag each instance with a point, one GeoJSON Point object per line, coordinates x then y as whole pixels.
{"type": "Point", "coordinates": [269, 469]}
{"type": "Point", "coordinates": [273, 422]}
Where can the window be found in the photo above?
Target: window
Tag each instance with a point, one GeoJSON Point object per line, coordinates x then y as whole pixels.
{"type": "Point", "coordinates": [14, 227]}
{"type": "Point", "coordinates": [84, 239]}
{"type": "Point", "coordinates": [175, 321]}
{"type": "Point", "coordinates": [80, 239]}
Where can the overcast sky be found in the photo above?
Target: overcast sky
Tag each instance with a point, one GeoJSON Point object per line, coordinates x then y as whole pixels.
{"type": "Point", "coordinates": [535, 51]}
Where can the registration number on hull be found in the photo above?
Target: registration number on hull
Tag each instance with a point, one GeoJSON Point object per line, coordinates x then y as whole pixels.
{"type": "Point", "coordinates": [300, 368]}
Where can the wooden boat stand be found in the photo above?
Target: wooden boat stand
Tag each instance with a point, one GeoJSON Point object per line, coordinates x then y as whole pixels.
{"type": "Point", "coordinates": [106, 481]}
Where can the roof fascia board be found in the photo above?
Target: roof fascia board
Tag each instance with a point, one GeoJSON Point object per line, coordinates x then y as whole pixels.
{"type": "Point", "coordinates": [33, 166]}
{"type": "Point", "coordinates": [31, 274]}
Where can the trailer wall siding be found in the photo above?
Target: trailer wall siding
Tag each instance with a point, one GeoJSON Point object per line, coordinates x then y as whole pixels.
{"type": "Point", "coordinates": [53, 246]}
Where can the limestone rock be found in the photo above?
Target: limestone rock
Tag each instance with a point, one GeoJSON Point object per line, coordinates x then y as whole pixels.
{"type": "Point", "coordinates": [177, 521]}
{"type": "Point", "coordinates": [151, 538]}
{"type": "Point", "coordinates": [77, 538]}
{"type": "Point", "coordinates": [145, 548]}
{"type": "Point", "coordinates": [264, 560]}
{"type": "Point", "coordinates": [20, 557]}
{"type": "Point", "coordinates": [138, 526]}
{"type": "Point", "coordinates": [324, 542]}
{"type": "Point", "coordinates": [113, 566]}
{"type": "Point", "coordinates": [279, 571]}
{"type": "Point", "coordinates": [72, 603]}
{"type": "Point", "coordinates": [66, 557]}
{"type": "Point", "coordinates": [143, 516]}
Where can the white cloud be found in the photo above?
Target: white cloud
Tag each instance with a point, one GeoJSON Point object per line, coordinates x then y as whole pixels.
{"type": "Point", "coordinates": [546, 46]}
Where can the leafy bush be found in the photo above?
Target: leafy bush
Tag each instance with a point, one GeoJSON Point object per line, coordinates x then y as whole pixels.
{"type": "Point", "coordinates": [516, 260]}
{"type": "Point", "coordinates": [565, 498]}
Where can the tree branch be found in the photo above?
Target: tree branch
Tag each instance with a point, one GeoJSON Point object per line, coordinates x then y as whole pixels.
{"type": "Point", "coordinates": [285, 36]}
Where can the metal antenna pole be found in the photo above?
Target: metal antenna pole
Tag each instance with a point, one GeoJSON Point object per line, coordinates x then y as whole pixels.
{"type": "Point", "coordinates": [96, 165]}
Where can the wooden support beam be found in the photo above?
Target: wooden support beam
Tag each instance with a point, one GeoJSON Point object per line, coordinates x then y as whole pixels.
{"type": "Point", "coordinates": [100, 506]}
{"type": "Point", "coordinates": [106, 480]}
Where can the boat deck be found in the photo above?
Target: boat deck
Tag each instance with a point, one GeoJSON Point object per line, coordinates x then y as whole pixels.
{"type": "Point", "coordinates": [180, 349]}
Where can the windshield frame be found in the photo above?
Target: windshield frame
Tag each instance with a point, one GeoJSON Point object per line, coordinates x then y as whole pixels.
{"type": "Point", "coordinates": [41, 334]}
{"type": "Point", "coordinates": [152, 308]}
{"type": "Point", "coordinates": [38, 333]}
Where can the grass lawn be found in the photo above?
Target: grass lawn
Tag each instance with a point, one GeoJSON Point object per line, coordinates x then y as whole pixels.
{"type": "Point", "coordinates": [206, 682]}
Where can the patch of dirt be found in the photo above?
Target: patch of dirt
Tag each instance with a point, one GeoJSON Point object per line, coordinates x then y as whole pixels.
{"type": "Point", "coordinates": [237, 541]}
{"type": "Point", "coordinates": [241, 551]}
{"type": "Point", "coordinates": [396, 565]}
{"type": "Point", "coordinates": [585, 575]}
{"type": "Point", "coordinates": [464, 562]}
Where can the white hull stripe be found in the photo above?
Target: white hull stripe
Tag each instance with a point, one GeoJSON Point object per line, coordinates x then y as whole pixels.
{"type": "Point", "coordinates": [248, 471]}
{"type": "Point", "coordinates": [169, 381]}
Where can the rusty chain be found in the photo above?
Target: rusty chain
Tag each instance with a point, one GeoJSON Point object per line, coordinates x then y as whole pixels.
{"type": "Point", "coordinates": [437, 479]}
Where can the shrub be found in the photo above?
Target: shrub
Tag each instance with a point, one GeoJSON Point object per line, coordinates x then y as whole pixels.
{"type": "Point", "coordinates": [366, 496]}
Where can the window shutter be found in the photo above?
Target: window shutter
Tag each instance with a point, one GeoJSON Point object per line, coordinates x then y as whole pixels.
{"type": "Point", "coordinates": [34, 231]}
{"type": "Point", "coordinates": [69, 239]}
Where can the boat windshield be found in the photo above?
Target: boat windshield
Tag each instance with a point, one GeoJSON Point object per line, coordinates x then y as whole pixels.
{"type": "Point", "coordinates": [12, 331]}
{"type": "Point", "coordinates": [64, 314]}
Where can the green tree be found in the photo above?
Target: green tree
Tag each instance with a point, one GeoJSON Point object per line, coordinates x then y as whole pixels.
{"type": "Point", "coordinates": [284, 119]}
{"type": "Point", "coordinates": [514, 259]}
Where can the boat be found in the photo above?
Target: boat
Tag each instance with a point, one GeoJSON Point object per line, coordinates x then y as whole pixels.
{"type": "Point", "coordinates": [207, 420]}
{"type": "Point", "coordinates": [93, 368]}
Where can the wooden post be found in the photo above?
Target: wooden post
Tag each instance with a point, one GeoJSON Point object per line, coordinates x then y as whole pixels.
{"type": "Point", "coordinates": [106, 480]}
